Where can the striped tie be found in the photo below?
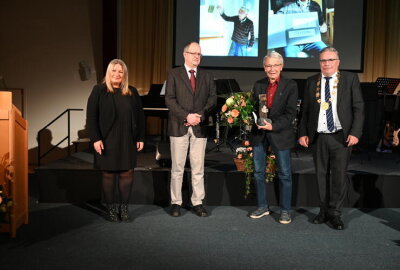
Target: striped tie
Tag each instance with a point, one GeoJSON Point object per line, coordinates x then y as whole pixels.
{"type": "Point", "coordinates": [329, 114]}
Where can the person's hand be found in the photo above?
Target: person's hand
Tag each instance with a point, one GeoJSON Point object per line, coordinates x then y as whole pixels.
{"type": "Point", "coordinates": [139, 146]}
{"type": "Point", "coordinates": [98, 147]}
{"type": "Point", "coordinates": [351, 140]}
{"type": "Point", "coordinates": [193, 119]}
{"type": "Point", "coordinates": [220, 9]}
{"type": "Point", "coordinates": [249, 49]}
{"type": "Point", "coordinates": [267, 126]}
{"type": "Point", "coordinates": [396, 137]}
{"type": "Point", "coordinates": [323, 28]}
{"type": "Point", "coordinates": [303, 141]}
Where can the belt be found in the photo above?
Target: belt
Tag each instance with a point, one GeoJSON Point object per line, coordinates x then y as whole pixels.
{"type": "Point", "coordinates": [331, 133]}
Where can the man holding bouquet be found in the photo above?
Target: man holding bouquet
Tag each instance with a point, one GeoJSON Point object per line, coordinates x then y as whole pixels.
{"type": "Point", "coordinates": [280, 102]}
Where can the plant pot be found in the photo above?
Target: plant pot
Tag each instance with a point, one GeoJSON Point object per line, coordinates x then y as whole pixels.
{"type": "Point", "coordinates": [239, 164]}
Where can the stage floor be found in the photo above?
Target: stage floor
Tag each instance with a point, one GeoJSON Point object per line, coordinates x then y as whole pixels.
{"type": "Point", "coordinates": [361, 162]}
{"type": "Point", "coordinates": [374, 180]}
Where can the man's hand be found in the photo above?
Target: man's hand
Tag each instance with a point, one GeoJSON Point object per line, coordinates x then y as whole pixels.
{"type": "Point", "coordinates": [249, 49]}
{"type": "Point", "coordinates": [303, 141]}
{"type": "Point", "coordinates": [139, 146]}
{"type": "Point", "coordinates": [98, 146]}
{"type": "Point", "coordinates": [267, 126]}
{"type": "Point", "coordinates": [323, 28]}
{"type": "Point", "coordinates": [351, 140]}
{"type": "Point", "coordinates": [396, 137]}
{"type": "Point", "coordinates": [193, 119]}
{"type": "Point", "coordinates": [220, 9]}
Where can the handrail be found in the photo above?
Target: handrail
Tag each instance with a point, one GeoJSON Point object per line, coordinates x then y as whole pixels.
{"type": "Point", "coordinates": [68, 111]}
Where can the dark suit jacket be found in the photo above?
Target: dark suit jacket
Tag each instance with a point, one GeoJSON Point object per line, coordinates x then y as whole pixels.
{"type": "Point", "coordinates": [181, 100]}
{"type": "Point", "coordinates": [100, 114]}
{"type": "Point", "coordinates": [350, 106]}
{"type": "Point", "coordinates": [282, 114]}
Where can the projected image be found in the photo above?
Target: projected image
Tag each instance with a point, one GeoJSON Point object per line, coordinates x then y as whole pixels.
{"type": "Point", "coordinates": [229, 27]}
{"type": "Point", "coordinates": [300, 28]}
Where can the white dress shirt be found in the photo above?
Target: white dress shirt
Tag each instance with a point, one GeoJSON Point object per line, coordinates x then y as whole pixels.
{"type": "Point", "coordinates": [322, 123]}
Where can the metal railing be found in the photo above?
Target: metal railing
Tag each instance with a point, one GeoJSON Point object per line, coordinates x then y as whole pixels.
{"type": "Point", "coordinates": [68, 111]}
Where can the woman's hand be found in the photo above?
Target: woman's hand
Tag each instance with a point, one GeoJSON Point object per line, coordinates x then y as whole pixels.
{"type": "Point", "coordinates": [139, 145]}
{"type": "Point", "coordinates": [98, 147]}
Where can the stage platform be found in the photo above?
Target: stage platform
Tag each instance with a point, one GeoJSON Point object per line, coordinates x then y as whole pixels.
{"type": "Point", "coordinates": [374, 180]}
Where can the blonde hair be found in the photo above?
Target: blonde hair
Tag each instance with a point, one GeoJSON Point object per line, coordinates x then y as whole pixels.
{"type": "Point", "coordinates": [124, 84]}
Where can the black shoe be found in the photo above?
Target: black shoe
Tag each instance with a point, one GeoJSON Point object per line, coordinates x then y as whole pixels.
{"type": "Point", "coordinates": [200, 210]}
{"type": "Point", "coordinates": [175, 210]}
{"type": "Point", "coordinates": [111, 213]}
{"type": "Point", "coordinates": [123, 212]}
{"type": "Point", "coordinates": [320, 218]}
{"type": "Point", "coordinates": [337, 223]}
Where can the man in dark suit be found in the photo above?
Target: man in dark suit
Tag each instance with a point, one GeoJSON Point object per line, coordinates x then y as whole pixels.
{"type": "Point", "coordinates": [281, 100]}
{"type": "Point", "coordinates": [331, 123]}
{"type": "Point", "coordinates": [190, 96]}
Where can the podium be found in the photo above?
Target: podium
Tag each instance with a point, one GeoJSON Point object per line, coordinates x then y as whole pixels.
{"type": "Point", "coordinates": [13, 164]}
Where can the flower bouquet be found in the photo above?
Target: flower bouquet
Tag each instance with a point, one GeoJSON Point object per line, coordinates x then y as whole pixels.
{"type": "Point", "coordinates": [244, 162]}
{"type": "Point", "coordinates": [5, 204]}
{"type": "Point", "coordinates": [238, 109]}
{"type": "Point", "coordinates": [270, 172]}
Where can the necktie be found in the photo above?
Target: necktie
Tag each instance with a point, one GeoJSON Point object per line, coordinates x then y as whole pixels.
{"type": "Point", "coordinates": [329, 114]}
{"type": "Point", "coordinates": [192, 80]}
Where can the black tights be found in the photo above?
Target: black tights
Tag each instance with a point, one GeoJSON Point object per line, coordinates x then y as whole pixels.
{"type": "Point", "coordinates": [124, 184]}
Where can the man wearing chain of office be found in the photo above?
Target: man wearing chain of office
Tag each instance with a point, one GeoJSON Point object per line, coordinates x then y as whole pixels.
{"type": "Point", "coordinates": [331, 123]}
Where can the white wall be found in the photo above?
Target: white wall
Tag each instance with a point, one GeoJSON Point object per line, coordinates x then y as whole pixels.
{"type": "Point", "coordinates": [41, 45]}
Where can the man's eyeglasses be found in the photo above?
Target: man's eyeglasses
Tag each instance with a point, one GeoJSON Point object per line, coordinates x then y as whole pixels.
{"type": "Point", "coordinates": [193, 53]}
{"type": "Point", "coordinates": [273, 66]}
{"type": "Point", "coordinates": [327, 60]}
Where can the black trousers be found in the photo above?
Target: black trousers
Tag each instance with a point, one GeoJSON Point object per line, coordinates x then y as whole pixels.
{"type": "Point", "coordinates": [331, 157]}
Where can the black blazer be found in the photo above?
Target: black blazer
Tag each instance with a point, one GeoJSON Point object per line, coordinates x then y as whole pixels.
{"type": "Point", "coordinates": [181, 100]}
{"type": "Point", "coordinates": [350, 106]}
{"type": "Point", "coordinates": [282, 114]}
{"type": "Point", "coordinates": [100, 114]}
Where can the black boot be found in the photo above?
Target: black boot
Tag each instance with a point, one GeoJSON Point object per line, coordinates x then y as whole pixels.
{"type": "Point", "coordinates": [111, 213]}
{"type": "Point", "coordinates": [123, 212]}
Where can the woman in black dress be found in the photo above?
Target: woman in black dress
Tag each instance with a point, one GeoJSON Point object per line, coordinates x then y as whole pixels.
{"type": "Point", "coordinates": [115, 120]}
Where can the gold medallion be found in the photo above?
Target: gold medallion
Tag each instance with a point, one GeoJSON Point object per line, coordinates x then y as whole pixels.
{"type": "Point", "coordinates": [324, 106]}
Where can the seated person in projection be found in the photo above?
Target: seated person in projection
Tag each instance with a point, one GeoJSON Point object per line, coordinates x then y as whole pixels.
{"type": "Point", "coordinates": [303, 6]}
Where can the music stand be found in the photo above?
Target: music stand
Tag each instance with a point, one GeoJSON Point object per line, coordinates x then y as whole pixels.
{"type": "Point", "coordinates": [387, 85]}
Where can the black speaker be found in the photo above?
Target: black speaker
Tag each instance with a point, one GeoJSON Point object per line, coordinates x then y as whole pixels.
{"type": "Point", "coordinates": [84, 71]}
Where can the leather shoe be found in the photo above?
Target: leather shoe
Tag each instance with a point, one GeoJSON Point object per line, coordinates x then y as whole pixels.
{"type": "Point", "coordinates": [175, 210]}
{"type": "Point", "coordinates": [337, 223]}
{"type": "Point", "coordinates": [200, 210]}
{"type": "Point", "coordinates": [320, 218]}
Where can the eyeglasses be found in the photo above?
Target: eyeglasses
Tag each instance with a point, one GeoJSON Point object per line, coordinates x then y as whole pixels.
{"type": "Point", "coordinates": [193, 53]}
{"type": "Point", "coordinates": [327, 60]}
{"type": "Point", "coordinates": [273, 66]}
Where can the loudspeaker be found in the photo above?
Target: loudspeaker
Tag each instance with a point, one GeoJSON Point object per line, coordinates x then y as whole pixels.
{"type": "Point", "coordinates": [163, 154]}
{"type": "Point", "coordinates": [84, 71]}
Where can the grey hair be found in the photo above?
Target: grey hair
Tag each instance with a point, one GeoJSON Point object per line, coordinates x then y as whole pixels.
{"type": "Point", "coordinates": [245, 9]}
{"type": "Point", "coordinates": [330, 49]}
{"type": "Point", "coordinates": [273, 54]}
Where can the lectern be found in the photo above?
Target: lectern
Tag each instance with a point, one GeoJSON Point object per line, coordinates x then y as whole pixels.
{"type": "Point", "coordinates": [13, 163]}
